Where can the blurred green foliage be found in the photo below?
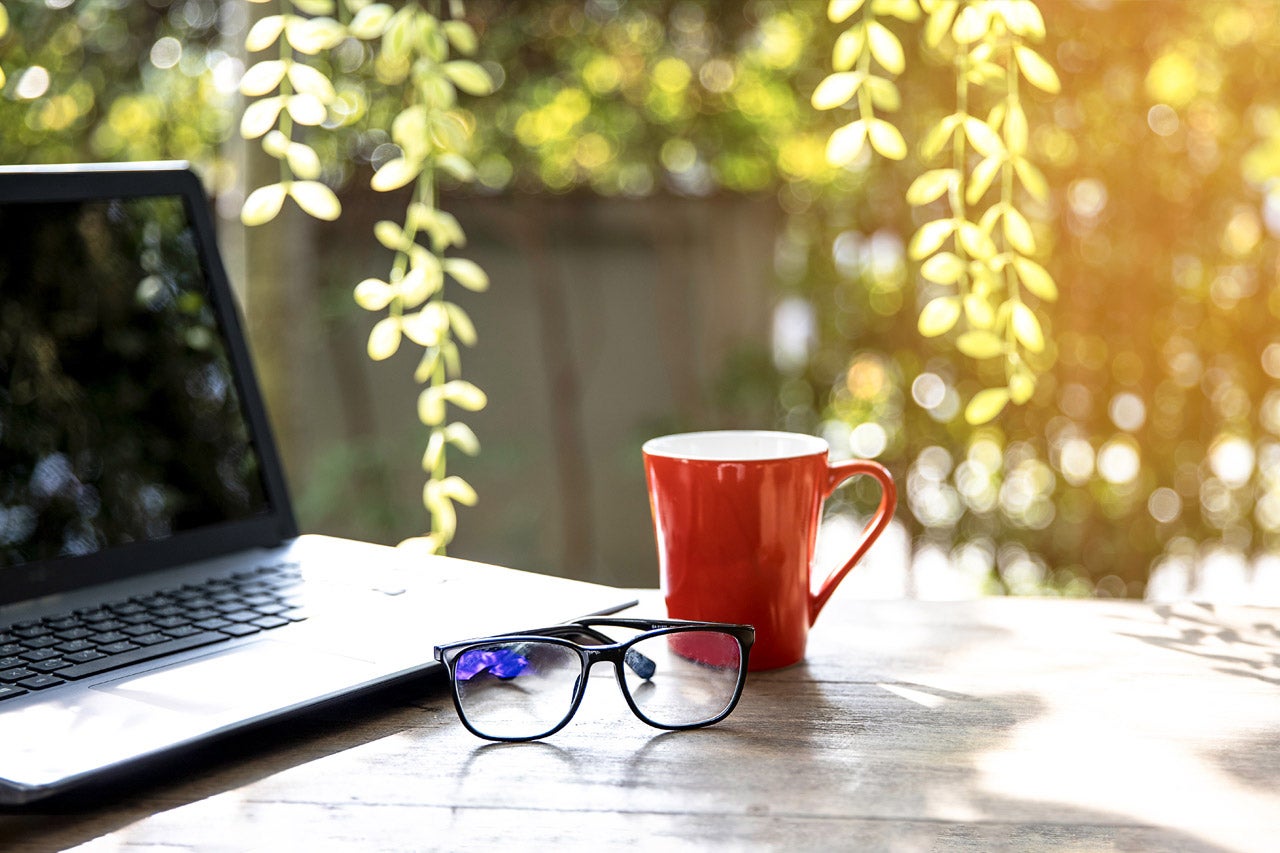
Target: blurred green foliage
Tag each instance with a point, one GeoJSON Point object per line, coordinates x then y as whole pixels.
{"type": "Point", "coordinates": [1153, 432]}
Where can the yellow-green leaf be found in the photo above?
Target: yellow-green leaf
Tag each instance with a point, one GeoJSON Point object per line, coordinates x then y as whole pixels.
{"type": "Point", "coordinates": [985, 405]}
{"type": "Point", "coordinates": [391, 235]}
{"type": "Point", "coordinates": [374, 294]}
{"type": "Point", "coordinates": [976, 241]}
{"type": "Point", "coordinates": [384, 338]}
{"type": "Point", "coordinates": [939, 22]}
{"type": "Point", "coordinates": [983, 174]}
{"type": "Point", "coordinates": [309, 81]}
{"type": "Point", "coordinates": [983, 139]}
{"type": "Point", "coordinates": [939, 316]}
{"type": "Point", "coordinates": [1038, 72]}
{"type": "Point", "coordinates": [939, 135]}
{"type": "Point", "coordinates": [1018, 232]}
{"type": "Point", "coordinates": [847, 48]}
{"type": "Point", "coordinates": [1033, 180]}
{"type": "Point", "coordinates": [371, 21]}
{"type": "Point", "coordinates": [263, 204]}
{"type": "Point", "coordinates": [846, 143]}
{"type": "Point", "coordinates": [4, 27]}
{"type": "Point", "coordinates": [315, 7]}
{"type": "Point", "coordinates": [464, 395]}
{"type": "Point", "coordinates": [1036, 278]}
{"type": "Point", "coordinates": [262, 77]}
{"type": "Point", "coordinates": [276, 144]}
{"type": "Point", "coordinates": [836, 89]}
{"type": "Point", "coordinates": [459, 490]}
{"type": "Point", "coordinates": [903, 10]}
{"type": "Point", "coordinates": [303, 160]}
{"type": "Point", "coordinates": [943, 268]}
{"type": "Point", "coordinates": [1021, 386]}
{"type": "Point", "coordinates": [930, 238]}
{"type": "Point", "coordinates": [468, 76]}
{"type": "Point", "coordinates": [2, 78]}
{"type": "Point", "coordinates": [426, 365]}
{"type": "Point", "coordinates": [467, 273]}
{"type": "Point", "coordinates": [394, 174]}
{"type": "Point", "coordinates": [306, 109]}
{"type": "Point", "coordinates": [431, 410]}
{"type": "Point", "coordinates": [980, 344]}
{"type": "Point", "coordinates": [930, 186]}
{"type": "Point", "coordinates": [1026, 328]}
{"type": "Point", "coordinates": [312, 35]}
{"type": "Point", "coordinates": [461, 36]}
{"type": "Point", "coordinates": [1015, 129]}
{"type": "Point", "coordinates": [425, 327]}
{"type": "Point", "coordinates": [316, 199]}
{"type": "Point", "coordinates": [457, 166]}
{"type": "Point", "coordinates": [460, 324]}
{"type": "Point", "coordinates": [260, 116]}
{"type": "Point", "coordinates": [884, 93]}
{"type": "Point", "coordinates": [423, 279]}
{"type": "Point", "coordinates": [977, 310]}
{"type": "Point", "coordinates": [838, 11]}
{"type": "Point", "coordinates": [460, 436]}
{"type": "Point", "coordinates": [971, 24]}
{"type": "Point", "coordinates": [886, 139]}
{"type": "Point", "coordinates": [443, 516]}
{"type": "Point", "coordinates": [435, 450]}
{"type": "Point", "coordinates": [264, 33]}
{"type": "Point", "coordinates": [885, 48]}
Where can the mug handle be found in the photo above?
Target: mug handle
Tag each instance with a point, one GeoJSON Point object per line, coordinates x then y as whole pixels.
{"type": "Point", "coordinates": [837, 473]}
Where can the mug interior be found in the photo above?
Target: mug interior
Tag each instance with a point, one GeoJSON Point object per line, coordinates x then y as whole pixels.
{"type": "Point", "coordinates": [735, 445]}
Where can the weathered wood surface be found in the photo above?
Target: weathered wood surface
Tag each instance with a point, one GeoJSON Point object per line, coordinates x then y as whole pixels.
{"type": "Point", "coordinates": [999, 724]}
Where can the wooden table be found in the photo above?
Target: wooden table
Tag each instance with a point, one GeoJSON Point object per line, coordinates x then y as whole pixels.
{"type": "Point", "coordinates": [1018, 724]}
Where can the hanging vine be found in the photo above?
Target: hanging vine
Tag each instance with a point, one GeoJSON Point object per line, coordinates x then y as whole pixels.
{"type": "Point", "coordinates": [412, 50]}
{"type": "Point", "coordinates": [980, 265]}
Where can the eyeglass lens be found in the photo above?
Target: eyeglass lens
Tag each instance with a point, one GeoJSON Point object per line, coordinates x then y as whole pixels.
{"type": "Point", "coordinates": [517, 690]}
{"type": "Point", "coordinates": [695, 676]}
{"type": "Point", "coordinates": [525, 689]}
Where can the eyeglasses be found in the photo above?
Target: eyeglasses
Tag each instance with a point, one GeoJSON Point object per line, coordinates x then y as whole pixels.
{"type": "Point", "coordinates": [674, 674]}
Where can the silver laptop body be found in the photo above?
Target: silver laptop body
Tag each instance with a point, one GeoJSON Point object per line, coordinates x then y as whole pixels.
{"type": "Point", "coordinates": [140, 488]}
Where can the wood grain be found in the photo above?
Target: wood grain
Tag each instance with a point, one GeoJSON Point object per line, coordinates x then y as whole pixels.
{"type": "Point", "coordinates": [1000, 724]}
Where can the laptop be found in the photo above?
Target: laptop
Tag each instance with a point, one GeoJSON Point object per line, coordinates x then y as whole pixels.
{"type": "Point", "coordinates": [155, 592]}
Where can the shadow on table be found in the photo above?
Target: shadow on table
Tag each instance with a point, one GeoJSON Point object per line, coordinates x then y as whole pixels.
{"type": "Point", "coordinates": [226, 764]}
{"type": "Point", "coordinates": [1253, 652]}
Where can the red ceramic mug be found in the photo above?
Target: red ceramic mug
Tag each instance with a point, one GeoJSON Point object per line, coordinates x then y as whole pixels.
{"type": "Point", "coordinates": [736, 517]}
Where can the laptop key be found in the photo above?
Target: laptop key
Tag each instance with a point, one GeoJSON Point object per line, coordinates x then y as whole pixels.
{"type": "Point", "coordinates": [239, 629]}
{"type": "Point", "coordinates": [39, 655]}
{"type": "Point", "coordinates": [117, 648]}
{"type": "Point", "coordinates": [152, 638]}
{"type": "Point", "coordinates": [8, 691]}
{"type": "Point", "coordinates": [40, 682]}
{"type": "Point", "coordinates": [51, 665]}
{"type": "Point", "coordinates": [83, 656]}
{"type": "Point", "coordinates": [93, 667]}
{"type": "Point", "coordinates": [16, 673]}
{"type": "Point", "coordinates": [42, 642]}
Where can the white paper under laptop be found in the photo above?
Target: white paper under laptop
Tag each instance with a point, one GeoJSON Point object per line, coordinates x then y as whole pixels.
{"type": "Point", "coordinates": [154, 590]}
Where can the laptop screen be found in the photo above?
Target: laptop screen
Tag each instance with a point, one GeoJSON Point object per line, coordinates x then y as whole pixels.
{"type": "Point", "coordinates": [120, 417]}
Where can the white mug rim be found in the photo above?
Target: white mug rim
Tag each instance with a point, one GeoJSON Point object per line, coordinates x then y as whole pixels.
{"type": "Point", "coordinates": [735, 445]}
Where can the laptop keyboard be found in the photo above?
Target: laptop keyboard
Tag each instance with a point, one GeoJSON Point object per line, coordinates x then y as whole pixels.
{"type": "Point", "coordinates": [43, 653]}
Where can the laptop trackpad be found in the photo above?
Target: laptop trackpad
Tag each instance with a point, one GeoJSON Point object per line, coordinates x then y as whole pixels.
{"type": "Point", "coordinates": [264, 676]}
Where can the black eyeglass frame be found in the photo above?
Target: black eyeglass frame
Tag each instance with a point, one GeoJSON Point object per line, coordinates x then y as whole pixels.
{"type": "Point", "coordinates": [609, 651]}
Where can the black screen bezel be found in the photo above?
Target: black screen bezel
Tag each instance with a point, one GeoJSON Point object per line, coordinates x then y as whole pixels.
{"type": "Point", "coordinates": [268, 529]}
